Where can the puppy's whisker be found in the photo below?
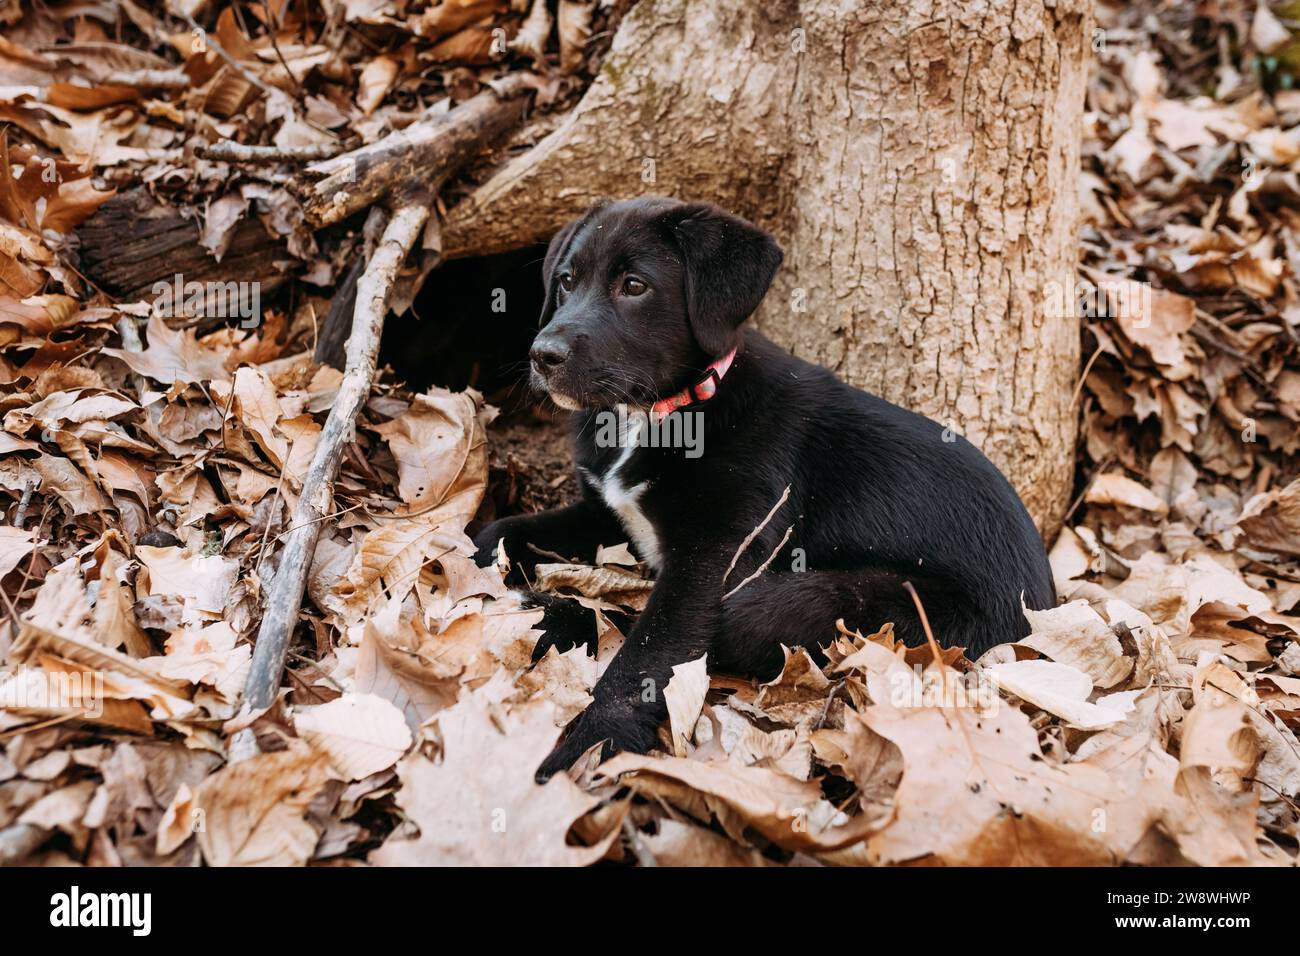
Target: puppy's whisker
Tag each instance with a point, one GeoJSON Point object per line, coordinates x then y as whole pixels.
{"type": "Point", "coordinates": [621, 391]}
{"type": "Point", "coordinates": [637, 377]}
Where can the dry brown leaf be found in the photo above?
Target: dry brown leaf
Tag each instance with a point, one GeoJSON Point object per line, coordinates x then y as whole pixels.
{"type": "Point", "coordinates": [15, 544]}
{"type": "Point", "coordinates": [1158, 326]}
{"type": "Point", "coordinates": [376, 80]}
{"type": "Point", "coordinates": [441, 452]}
{"type": "Point", "coordinates": [173, 356]}
{"type": "Point", "coordinates": [179, 822]}
{"type": "Point", "coordinates": [608, 584]}
{"type": "Point", "coordinates": [253, 812]}
{"type": "Point", "coordinates": [207, 654]}
{"type": "Point", "coordinates": [204, 583]}
{"type": "Point", "coordinates": [61, 476]}
{"type": "Point", "coordinates": [388, 564]}
{"type": "Point", "coordinates": [360, 733]}
{"type": "Point", "coordinates": [573, 25]}
{"type": "Point", "coordinates": [1061, 690]}
{"type": "Point", "coordinates": [1217, 731]}
{"type": "Point", "coordinates": [681, 844]}
{"type": "Point", "coordinates": [1117, 489]}
{"type": "Point", "coordinates": [1271, 521]}
{"type": "Point", "coordinates": [1075, 634]}
{"type": "Point", "coordinates": [789, 812]}
{"type": "Point", "coordinates": [976, 790]}
{"type": "Point", "coordinates": [389, 667]}
{"type": "Point", "coordinates": [448, 16]}
{"type": "Point", "coordinates": [684, 696]}
{"type": "Point", "coordinates": [113, 620]}
{"type": "Point", "coordinates": [533, 34]}
{"type": "Point", "coordinates": [563, 679]}
{"type": "Point", "coordinates": [479, 805]}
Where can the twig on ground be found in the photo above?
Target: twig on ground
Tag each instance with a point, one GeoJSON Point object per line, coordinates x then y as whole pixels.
{"type": "Point", "coordinates": [149, 79]}
{"type": "Point", "coordinates": [220, 51]}
{"type": "Point", "coordinates": [272, 25]}
{"type": "Point", "coordinates": [21, 515]}
{"type": "Point", "coordinates": [228, 151]}
{"type": "Point", "coordinates": [1092, 479]}
{"type": "Point", "coordinates": [315, 503]}
{"type": "Point", "coordinates": [427, 151]}
{"type": "Point", "coordinates": [929, 637]}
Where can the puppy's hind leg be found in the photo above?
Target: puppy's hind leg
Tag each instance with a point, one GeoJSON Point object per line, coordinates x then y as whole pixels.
{"type": "Point", "coordinates": [799, 609]}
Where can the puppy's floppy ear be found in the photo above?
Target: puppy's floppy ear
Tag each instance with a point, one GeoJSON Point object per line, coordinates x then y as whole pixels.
{"type": "Point", "coordinates": [555, 252]}
{"type": "Point", "coordinates": [728, 265]}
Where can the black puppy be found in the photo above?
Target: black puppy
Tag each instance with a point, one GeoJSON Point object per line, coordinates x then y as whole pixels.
{"type": "Point", "coordinates": [641, 338]}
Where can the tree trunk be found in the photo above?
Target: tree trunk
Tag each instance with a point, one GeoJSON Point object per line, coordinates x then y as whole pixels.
{"type": "Point", "coordinates": [917, 160]}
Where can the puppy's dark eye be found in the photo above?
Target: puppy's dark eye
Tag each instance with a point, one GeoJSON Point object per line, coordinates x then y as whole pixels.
{"type": "Point", "coordinates": [566, 281]}
{"type": "Point", "coordinates": [633, 286]}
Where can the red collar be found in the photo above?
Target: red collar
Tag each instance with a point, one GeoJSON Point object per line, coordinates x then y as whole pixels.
{"type": "Point", "coordinates": [700, 391]}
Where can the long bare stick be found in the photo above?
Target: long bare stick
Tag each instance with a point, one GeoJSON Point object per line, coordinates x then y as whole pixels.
{"type": "Point", "coordinates": [149, 79]}
{"type": "Point", "coordinates": [317, 498]}
{"type": "Point", "coordinates": [227, 151]}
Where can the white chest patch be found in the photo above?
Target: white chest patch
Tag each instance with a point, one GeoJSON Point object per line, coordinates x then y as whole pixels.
{"type": "Point", "coordinates": [624, 500]}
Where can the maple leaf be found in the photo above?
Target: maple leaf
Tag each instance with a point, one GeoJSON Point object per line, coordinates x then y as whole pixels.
{"type": "Point", "coordinates": [480, 804]}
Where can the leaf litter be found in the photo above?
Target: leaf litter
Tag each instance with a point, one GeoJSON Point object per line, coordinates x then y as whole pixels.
{"type": "Point", "coordinates": [147, 475]}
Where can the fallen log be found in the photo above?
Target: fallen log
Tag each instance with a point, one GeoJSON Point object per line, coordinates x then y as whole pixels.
{"type": "Point", "coordinates": [133, 242]}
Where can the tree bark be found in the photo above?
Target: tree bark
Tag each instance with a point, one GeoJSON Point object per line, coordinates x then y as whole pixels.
{"type": "Point", "coordinates": [917, 160]}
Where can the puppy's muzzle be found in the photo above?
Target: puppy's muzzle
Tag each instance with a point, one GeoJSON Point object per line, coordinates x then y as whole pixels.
{"type": "Point", "coordinates": [548, 355]}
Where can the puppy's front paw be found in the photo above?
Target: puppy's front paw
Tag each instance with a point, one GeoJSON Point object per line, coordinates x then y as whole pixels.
{"type": "Point", "coordinates": [619, 728]}
{"type": "Point", "coordinates": [505, 532]}
{"type": "Point", "coordinates": [566, 623]}
{"type": "Point", "coordinates": [486, 541]}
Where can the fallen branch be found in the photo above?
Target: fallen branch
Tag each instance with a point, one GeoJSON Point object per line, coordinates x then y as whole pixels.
{"type": "Point", "coordinates": [427, 151]}
{"type": "Point", "coordinates": [150, 79]}
{"type": "Point", "coordinates": [316, 502]}
{"type": "Point", "coordinates": [133, 242]}
{"type": "Point", "coordinates": [228, 151]}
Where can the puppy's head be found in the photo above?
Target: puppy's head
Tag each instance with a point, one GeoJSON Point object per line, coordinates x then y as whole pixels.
{"type": "Point", "coordinates": [641, 295]}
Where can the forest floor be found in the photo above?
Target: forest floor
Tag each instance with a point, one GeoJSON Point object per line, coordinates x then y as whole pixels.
{"type": "Point", "coordinates": [1150, 719]}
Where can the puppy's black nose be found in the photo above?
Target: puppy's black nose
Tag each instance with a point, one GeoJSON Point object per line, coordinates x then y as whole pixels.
{"type": "Point", "coordinates": [547, 356]}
